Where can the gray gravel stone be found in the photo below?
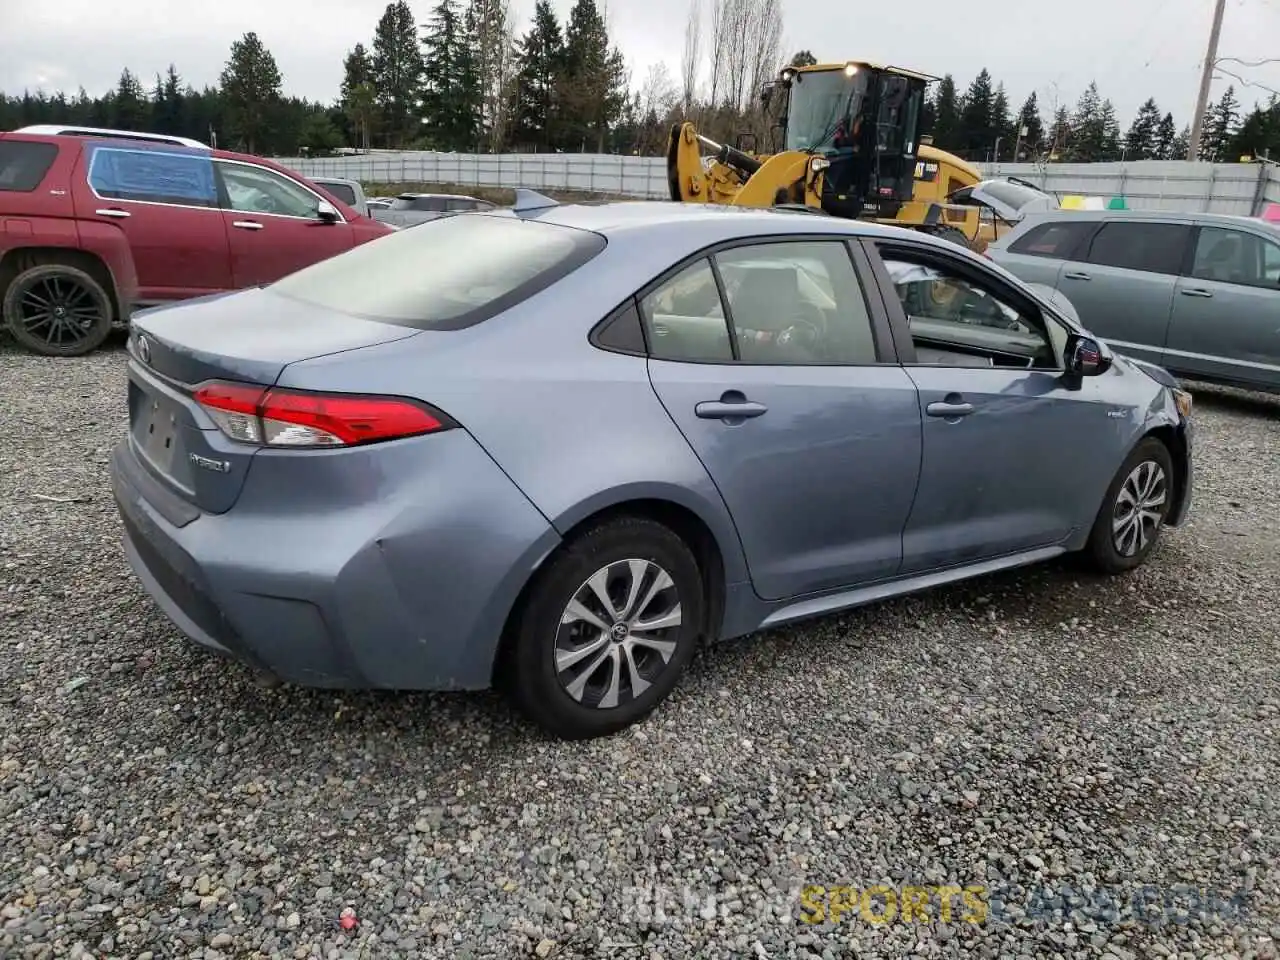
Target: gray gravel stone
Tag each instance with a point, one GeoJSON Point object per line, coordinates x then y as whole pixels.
{"type": "Point", "coordinates": [1101, 754]}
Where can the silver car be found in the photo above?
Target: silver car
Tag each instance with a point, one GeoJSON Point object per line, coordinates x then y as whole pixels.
{"type": "Point", "coordinates": [411, 209]}
{"type": "Point", "coordinates": [1197, 293]}
{"type": "Point", "coordinates": [623, 431]}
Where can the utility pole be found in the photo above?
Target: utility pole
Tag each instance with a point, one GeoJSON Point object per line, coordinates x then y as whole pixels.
{"type": "Point", "coordinates": [1206, 80]}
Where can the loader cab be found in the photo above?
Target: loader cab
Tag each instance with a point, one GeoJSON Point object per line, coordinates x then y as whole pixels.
{"type": "Point", "coordinates": [865, 120]}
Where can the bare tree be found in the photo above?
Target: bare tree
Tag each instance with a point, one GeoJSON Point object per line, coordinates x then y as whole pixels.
{"type": "Point", "coordinates": [765, 47]}
{"type": "Point", "coordinates": [692, 60]}
{"type": "Point", "coordinates": [719, 42]}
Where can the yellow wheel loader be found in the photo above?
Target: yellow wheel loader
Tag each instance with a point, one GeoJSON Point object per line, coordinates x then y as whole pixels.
{"type": "Point", "coordinates": [851, 148]}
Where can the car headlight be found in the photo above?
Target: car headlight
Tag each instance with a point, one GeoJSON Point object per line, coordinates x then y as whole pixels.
{"type": "Point", "coordinates": [1183, 401]}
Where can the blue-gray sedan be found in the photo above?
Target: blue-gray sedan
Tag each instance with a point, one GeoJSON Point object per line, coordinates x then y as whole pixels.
{"type": "Point", "coordinates": [555, 448]}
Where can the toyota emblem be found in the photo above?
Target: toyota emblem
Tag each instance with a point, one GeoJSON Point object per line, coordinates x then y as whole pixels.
{"type": "Point", "coordinates": [144, 350]}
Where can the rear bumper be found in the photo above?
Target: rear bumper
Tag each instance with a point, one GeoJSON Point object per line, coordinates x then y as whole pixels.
{"type": "Point", "coordinates": [398, 584]}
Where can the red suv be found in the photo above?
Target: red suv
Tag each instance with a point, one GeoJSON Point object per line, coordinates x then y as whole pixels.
{"type": "Point", "coordinates": [95, 224]}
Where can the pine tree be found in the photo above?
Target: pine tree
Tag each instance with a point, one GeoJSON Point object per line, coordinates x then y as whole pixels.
{"type": "Point", "coordinates": [1142, 142]}
{"type": "Point", "coordinates": [358, 95]}
{"type": "Point", "coordinates": [1221, 121]}
{"type": "Point", "coordinates": [132, 109]}
{"type": "Point", "coordinates": [397, 71]}
{"type": "Point", "coordinates": [1088, 127]}
{"type": "Point", "coordinates": [1061, 135]}
{"type": "Point", "coordinates": [804, 58]}
{"type": "Point", "coordinates": [167, 112]}
{"type": "Point", "coordinates": [946, 115]}
{"type": "Point", "coordinates": [977, 117]}
{"type": "Point", "coordinates": [1001, 125]}
{"type": "Point", "coordinates": [447, 108]}
{"type": "Point", "coordinates": [1109, 147]}
{"type": "Point", "coordinates": [1166, 139]}
{"type": "Point", "coordinates": [1259, 133]}
{"type": "Point", "coordinates": [1182, 144]}
{"type": "Point", "coordinates": [1029, 120]}
{"type": "Point", "coordinates": [491, 45]}
{"type": "Point", "coordinates": [594, 90]}
{"type": "Point", "coordinates": [250, 88]}
{"type": "Point", "coordinates": [540, 61]}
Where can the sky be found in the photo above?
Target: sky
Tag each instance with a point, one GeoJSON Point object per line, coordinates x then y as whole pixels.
{"type": "Point", "coordinates": [1132, 48]}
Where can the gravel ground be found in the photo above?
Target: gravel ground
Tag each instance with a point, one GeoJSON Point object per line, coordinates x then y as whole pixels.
{"type": "Point", "coordinates": [1022, 732]}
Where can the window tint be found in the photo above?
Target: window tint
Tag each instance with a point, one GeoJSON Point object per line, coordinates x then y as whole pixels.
{"type": "Point", "coordinates": [343, 191]}
{"type": "Point", "coordinates": [1153, 247]}
{"type": "Point", "coordinates": [796, 303]}
{"type": "Point", "coordinates": [685, 318]}
{"type": "Point", "coordinates": [430, 277]}
{"type": "Point", "coordinates": [23, 165]}
{"type": "Point", "coordinates": [154, 176]}
{"type": "Point", "coordinates": [958, 322]}
{"type": "Point", "coordinates": [1056, 240]}
{"type": "Point", "coordinates": [421, 204]}
{"type": "Point", "coordinates": [259, 190]}
{"type": "Point", "coordinates": [622, 331]}
{"type": "Point", "coordinates": [461, 205]}
{"type": "Point", "coordinates": [1234, 256]}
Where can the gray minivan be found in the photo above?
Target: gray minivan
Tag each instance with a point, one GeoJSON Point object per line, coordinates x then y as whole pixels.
{"type": "Point", "coordinates": [1197, 293]}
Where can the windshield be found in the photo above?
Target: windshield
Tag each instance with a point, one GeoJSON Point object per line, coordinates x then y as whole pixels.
{"type": "Point", "coordinates": [821, 105]}
{"type": "Point", "coordinates": [1016, 195]}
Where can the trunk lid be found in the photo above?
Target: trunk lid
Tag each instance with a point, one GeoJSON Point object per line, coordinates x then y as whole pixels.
{"type": "Point", "coordinates": [248, 336]}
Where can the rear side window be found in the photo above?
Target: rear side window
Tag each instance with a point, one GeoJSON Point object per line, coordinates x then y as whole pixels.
{"type": "Point", "coordinates": [430, 278]}
{"type": "Point", "coordinates": [343, 191]}
{"type": "Point", "coordinates": [24, 164]}
{"type": "Point", "coordinates": [1055, 240]}
{"type": "Point", "coordinates": [1150, 247]}
{"type": "Point", "coordinates": [152, 176]}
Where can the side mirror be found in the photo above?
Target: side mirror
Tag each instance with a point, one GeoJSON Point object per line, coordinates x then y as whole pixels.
{"type": "Point", "coordinates": [327, 212]}
{"type": "Point", "coordinates": [1086, 357]}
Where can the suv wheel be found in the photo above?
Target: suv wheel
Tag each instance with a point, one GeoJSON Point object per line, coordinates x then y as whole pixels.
{"type": "Point", "coordinates": [1132, 515]}
{"type": "Point", "coordinates": [57, 310]}
{"type": "Point", "coordinates": [607, 630]}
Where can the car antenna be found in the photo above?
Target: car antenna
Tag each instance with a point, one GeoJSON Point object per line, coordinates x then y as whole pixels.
{"type": "Point", "coordinates": [531, 200]}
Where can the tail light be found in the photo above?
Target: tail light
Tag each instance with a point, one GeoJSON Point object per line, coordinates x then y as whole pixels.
{"type": "Point", "coordinates": [300, 419]}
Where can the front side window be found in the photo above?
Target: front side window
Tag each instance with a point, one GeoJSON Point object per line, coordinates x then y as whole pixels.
{"type": "Point", "coordinates": [253, 189]}
{"type": "Point", "coordinates": [431, 277]}
{"type": "Point", "coordinates": [797, 302]}
{"type": "Point", "coordinates": [152, 176]}
{"type": "Point", "coordinates": [23, 164]}
{"type": "Point", "coordinates": [1149, 247]}
{"type": "Point", "coordinates": [685, 318]}
{"type": "Point", "coordinates": [957, 321]}
{"type": "Point", "coordinates": [1234, 256]}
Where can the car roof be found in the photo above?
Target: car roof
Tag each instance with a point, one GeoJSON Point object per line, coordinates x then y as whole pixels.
{"type": "Point", "coordinates": [104, 133]}
{"type": "Point", "coordinates": [1201, 217]}
{"type": "Point", "coordinates": [436, 196]}
{"type": "Point", "coordinates": [619, 217]}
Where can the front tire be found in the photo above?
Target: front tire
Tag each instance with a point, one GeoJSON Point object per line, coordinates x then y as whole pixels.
{"type": "Point", "coordinates": [607, 630]}
{"type": "Point", "coordinates": [57, 310]}
{"type": "Point", "coordinates": [1128, 525]}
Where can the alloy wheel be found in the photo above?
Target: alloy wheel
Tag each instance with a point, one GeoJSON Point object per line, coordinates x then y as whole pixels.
{"type": "Point", "coordinates": [1139, 508]}
{"type": "Point", "coordinates": [58, 310]}
{"type": "Point", "coordinates": [617, 633]}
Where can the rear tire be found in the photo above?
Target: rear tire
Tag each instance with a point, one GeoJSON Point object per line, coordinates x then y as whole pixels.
{"type": "Point", "coordinates": [57, 310]}
{"type": "Point", "coordinates": [585, 666]}
{"type": "Point", "coordinates": [1132, 515]}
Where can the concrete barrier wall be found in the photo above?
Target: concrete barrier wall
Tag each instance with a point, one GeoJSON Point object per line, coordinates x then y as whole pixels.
{"type": "Point", "coordinates": [1149, 184]}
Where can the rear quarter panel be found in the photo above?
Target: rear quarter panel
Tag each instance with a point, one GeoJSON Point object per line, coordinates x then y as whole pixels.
{"type": "Point", "coordinates": [48, 218]}
{"type": "Point", "coordinates": [578, 429]}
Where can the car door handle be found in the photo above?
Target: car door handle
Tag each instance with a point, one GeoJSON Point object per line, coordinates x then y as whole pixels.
{"type": "Point", "coordinates": [731, 406]}
{"type": "Point", "coordinates": [113, 212]}
{"type": "Point", "coordinates": [1076, 275]}
{"type": "Point", "coordinates": [247, 224]}
{"type": "Point", "coordinates": [944, 409]}
{"type": "Point", "coordinates": [1195, 292]}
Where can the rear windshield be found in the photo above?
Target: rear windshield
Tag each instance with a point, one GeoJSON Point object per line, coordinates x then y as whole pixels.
{"type": "Point", "coordinates": [343, 191]}
{"type": "Point", "coordinates": [1014, 194]}
{"type": "Point", "coordinates": [446, 274]}
{"type": "Point", "coordinates": [23, 164]}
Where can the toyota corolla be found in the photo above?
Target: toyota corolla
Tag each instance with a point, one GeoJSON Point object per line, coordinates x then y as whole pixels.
{"type": "Point", "coordinates": [556, 448]}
